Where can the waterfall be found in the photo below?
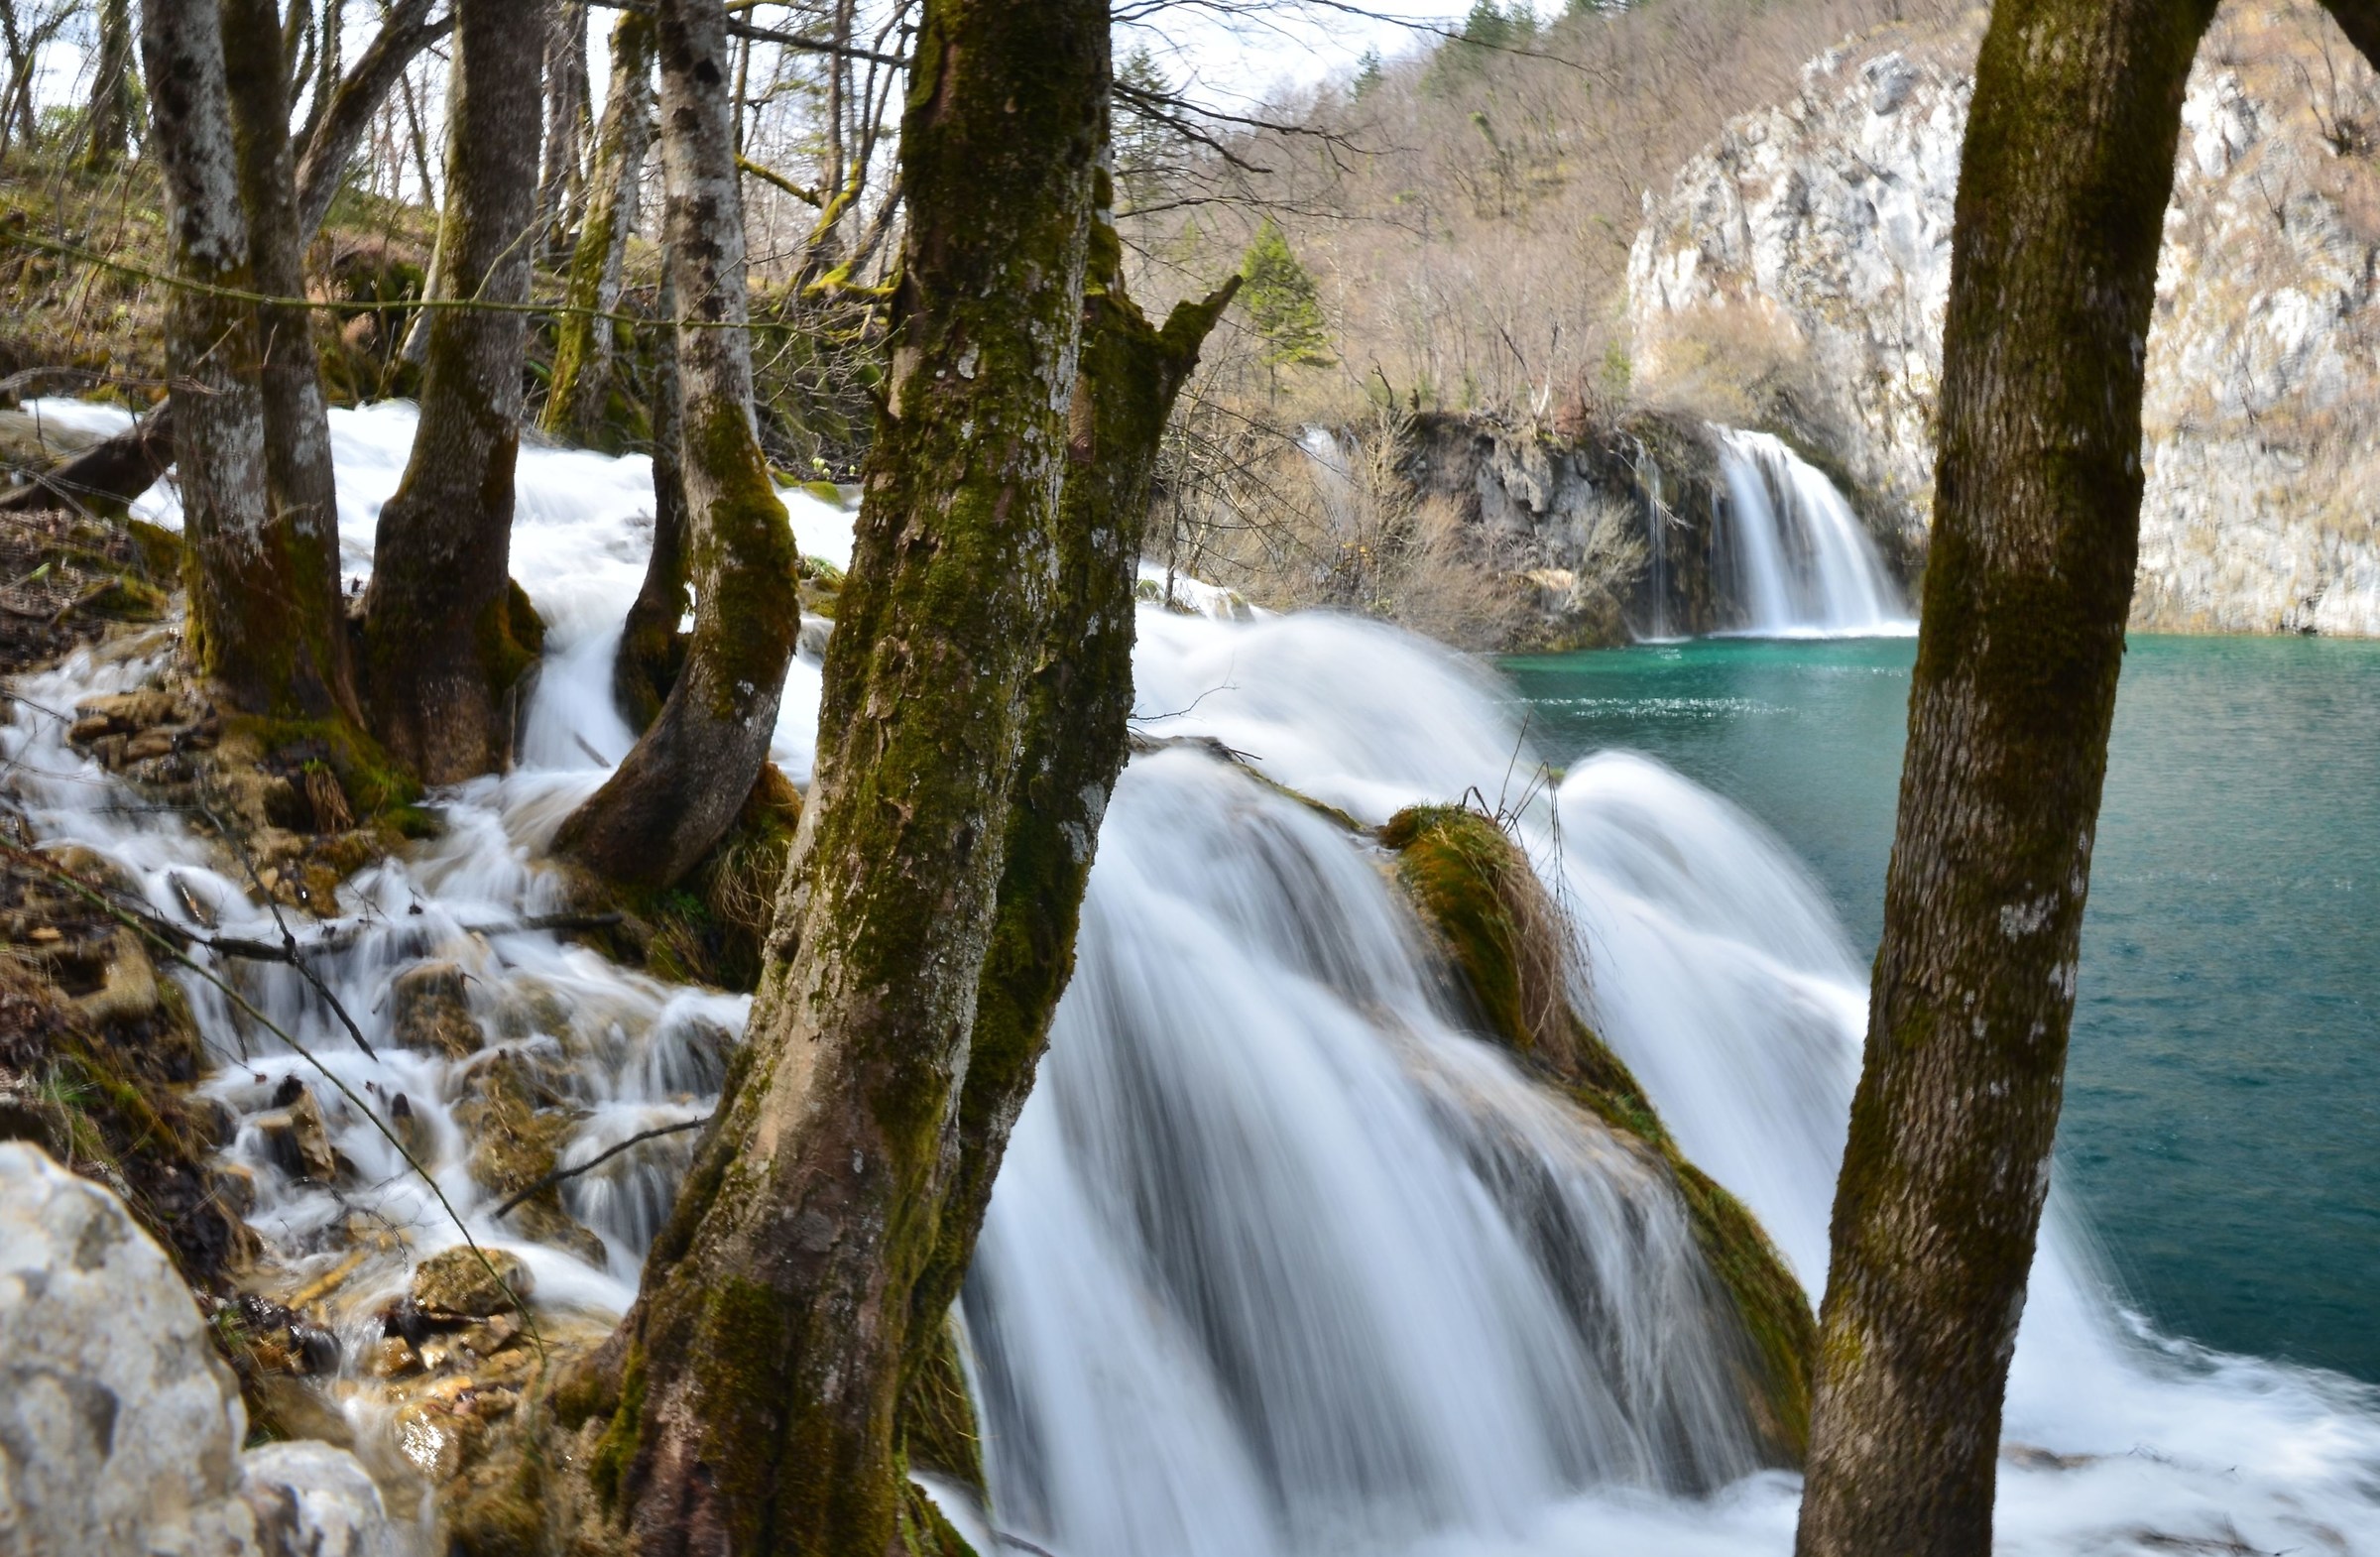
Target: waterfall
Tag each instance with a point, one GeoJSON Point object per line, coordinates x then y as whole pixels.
{"type": "Point", "coordinates": [1283, 1260]}
{"type": "Point", "coordinates": [1790, 552]}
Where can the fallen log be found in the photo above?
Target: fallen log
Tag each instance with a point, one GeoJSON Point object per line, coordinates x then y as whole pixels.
{"type": "Point", "coordinates": [107, 475]}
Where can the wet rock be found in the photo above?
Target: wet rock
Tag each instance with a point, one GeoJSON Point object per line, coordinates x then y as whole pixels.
{"type": "Point", "coordinates": [127, 984]}
{"type": "Point", "coordinates": [518, 1119]}
{"type": "Point", "coordinates": [310, 1499]}
{"type": "Point", "coordinates": [411, 1129]}
{"type": "Point", "coordinates": [458, 1283]}
{"type": "Point", "coordinates": [392, 1357]}
{"type": "Point", "coordinates": [428, 1009]}
{"type": "Point", "coordinates": [297, 1142]}
{"type": "Point", "coordinates": [119, 1425]}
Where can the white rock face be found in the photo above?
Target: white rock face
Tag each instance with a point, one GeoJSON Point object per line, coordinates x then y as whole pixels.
{"type": "Point", "coordinates": [1819, 231]}
{"type": "Point", "coordinates": [120, 1428]}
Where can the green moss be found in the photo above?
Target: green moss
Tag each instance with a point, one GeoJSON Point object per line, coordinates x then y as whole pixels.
{"type": "Point", "coordinates": [616, 1451]}
{"type": "Point", "coordinates": [377, 784]}
{"type": "Point", "coordinates": [1504, 936]}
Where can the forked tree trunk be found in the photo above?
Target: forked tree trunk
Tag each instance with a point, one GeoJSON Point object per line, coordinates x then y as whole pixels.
{"type": "Point", "coordinates": [651, 649]}
{"type": "Point", "coordinates": [443, 629]}
{"type": "Point", "coordinates": [264, 620]}
{"type": "Point", "coordinates": [757, 1375]}
{"type": "Point", "coordinates": [339, 123]}
{"type": "Point", "coordinates": [108, 121]}
{"type": "Point", "coordinates": [2037, 501]}
{"type": "Point", "coordinates": [1077, 705]}
{"type": "Point", "coordinates": [300, 491]}
{"type": "Point", "coordinates": [682, 784]}
{"type": "Point", "coordinates": [582, 347]}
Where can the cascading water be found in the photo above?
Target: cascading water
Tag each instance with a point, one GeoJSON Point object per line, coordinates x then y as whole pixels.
{"type": "Point", "coordinates": [1281, 1261]}
{"type": "Point", "coordinates": [1790, 552]}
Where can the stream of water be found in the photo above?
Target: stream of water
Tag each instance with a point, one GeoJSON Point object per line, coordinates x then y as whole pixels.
{"type": "Point", "coordinates": [1790, 555]}
{"type": "Point", "coordinates": [1282, 1259]}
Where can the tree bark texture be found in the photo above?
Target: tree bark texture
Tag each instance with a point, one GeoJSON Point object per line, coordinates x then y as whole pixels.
{"type": "Point", "coordinates": [582, 347]}
{"type": "Point", "coordinates": [108, 122]}
{"type": "Point", "coordinates": [442, 624]}
{"type": "Point", "coordinates": [1078, 702]}
{"type": "Point", "coordinates": [566, 108]}
{"type": "Point", "coordinates": [339, 126]}
{"type": "Point", "coordinates": [682, 784]}
{"type": "Point", "coordinates": [759, 1371]}
{"type": "Point", "coordinates": [2065, 174]}
{"type": "Point", "coordinates": [651, 649]}
{"type": "Point", "coordinates": [301, 487]}
{"type": "Point", "coordinates": [264, 591]}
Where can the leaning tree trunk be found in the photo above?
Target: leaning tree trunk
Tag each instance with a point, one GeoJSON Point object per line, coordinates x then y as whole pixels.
{"type": "Point", "coordinates": [756, 1377]}
{"type": "Point", "coordinates": [1077, 705]}
{"type": "Point", "coordinates": [651, 649]}
{"type": "Point", "coordinates": [300, 484]}
{"type": "Point", "coordinates": [2035, 527]}
{"type": "Point", "coordinates": [108, 122]}
{"type": "Point", "coordinates": [337, 125]}
{"type": "Point", "coordinates": [583, 339]}
{"type": "Point", "coordinates": [679, 789]}
{"type": "Point", "coordinates": [443, 627]}
{"type": "Point", "coordinates": [265, 620]}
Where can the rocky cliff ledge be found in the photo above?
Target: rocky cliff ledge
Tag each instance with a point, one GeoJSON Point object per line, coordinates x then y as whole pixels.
{"type": "Point", "coordinates": [1810, 247]}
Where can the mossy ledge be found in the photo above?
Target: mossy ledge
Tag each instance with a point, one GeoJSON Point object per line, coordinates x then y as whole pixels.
{"type": "Point", "coordinates": [1503, 940]}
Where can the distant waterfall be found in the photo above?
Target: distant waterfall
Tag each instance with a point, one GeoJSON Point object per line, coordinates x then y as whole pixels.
{"type": "Point", "coordinates": [1791, 555]}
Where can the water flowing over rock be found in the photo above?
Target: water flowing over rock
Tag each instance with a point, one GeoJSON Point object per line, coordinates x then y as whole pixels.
{"type": "Point", "coordinates": [120, 1427]}
{"type": "Point", "coordinates": [1813, 243]}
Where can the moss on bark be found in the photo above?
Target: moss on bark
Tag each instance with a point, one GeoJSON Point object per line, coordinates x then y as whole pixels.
{"type": "Point", "coordinates": [2038, 486]}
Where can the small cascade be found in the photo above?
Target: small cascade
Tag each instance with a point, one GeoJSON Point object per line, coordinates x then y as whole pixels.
{"type": "Point", "coordinates": [1280, 1262]}
{"type": "Point", "coordinates": [1656, 530]}
{"type": "Point", "coordinates": [1790, 552]}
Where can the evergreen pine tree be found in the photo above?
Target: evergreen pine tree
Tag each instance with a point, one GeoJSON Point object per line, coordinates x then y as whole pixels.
{"type": "Point", "coordinates": [1282, 303]}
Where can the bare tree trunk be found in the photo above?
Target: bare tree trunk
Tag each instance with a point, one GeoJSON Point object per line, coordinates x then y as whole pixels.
{"type": "Point", "coordinates": [15, 108]}
{"type": "Point", "coordinates": [678, 789]}
{"type": "Point", "coordinates": [582, 347]}
{"type": "Point", "coordinates": [2035, 528]}
{"type": "Point", "coordinates": [264, 589]}
{"type": "Point", "coordinates": [756, 1376]}
{"type": "Point", "coordinates": [443, 627]}
{"type": "Point", "coordinates": [339, 124]}
{"type": "Point", "coordinates": [1077, 705]}
{"type": "Point", "coordinates": [108, 123]}
{"type": "Point", "coordinates": [300, 491]}
{"type": "Point", "coordinates": [563, 182]}
{"type": "Point", "coordinates": [651, 649]}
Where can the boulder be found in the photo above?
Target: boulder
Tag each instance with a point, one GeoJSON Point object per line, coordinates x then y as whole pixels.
{"type": "Point", "coordinates": [298, 1143]}
{"type": "Point", "coordinates": [457, 1283]}
{"type": "Point", "coordinates": [428, 1009]}
{"type": "Point", "coordinates": [120, 1427]}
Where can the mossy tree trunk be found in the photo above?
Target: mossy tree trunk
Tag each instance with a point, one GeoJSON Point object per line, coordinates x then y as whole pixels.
{"type": "Point", "coordinates": [2035, 528]}
{"type": "Point", "coordinates": [652, 648]}
{"type": "Point", "coordinates": [337, 125]}
{"type": "Point", "coordinates": [301, 486]}
{"type": "Point", "coordinates": [756, 1377]}
{"type": "Point", "coordinates": [682, 784]}
{"type": "Point", "coordinates": [107, 122]}
{"type": "Point", "coordinates": [443, 630]}
{"type": "Point", "coordinates": [582, 347]}
{"type": "Point", "coordinates": [1077, 704]}
{"type": "Point", "coordinates": [264, 619]}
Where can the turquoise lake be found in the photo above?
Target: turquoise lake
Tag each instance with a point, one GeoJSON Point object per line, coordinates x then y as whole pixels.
{"type": "Point", "coordinates": [2222, 1130]}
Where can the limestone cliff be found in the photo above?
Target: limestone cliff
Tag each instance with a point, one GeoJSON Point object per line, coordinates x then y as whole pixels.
{"type": "Point", "coordinates": [1810, 249]}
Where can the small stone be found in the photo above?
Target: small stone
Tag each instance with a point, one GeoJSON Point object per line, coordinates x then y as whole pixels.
{"type": "Point", "coordinates": [457, 1283]}
{"type": "Point", "coordinates": [392, 1358]}
{"type": "Point", "coordinates": [428, 1009]}
{"type": "Point", "coordinates": [298, 1143]}
{"type": "Point", "coordinates": [155, 742]}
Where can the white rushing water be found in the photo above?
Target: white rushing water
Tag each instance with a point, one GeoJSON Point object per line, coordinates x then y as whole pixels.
{"type": "Point", "coordinates": [1791, 555]}
{"type": "Point", "coordinates": [1281, 1261]}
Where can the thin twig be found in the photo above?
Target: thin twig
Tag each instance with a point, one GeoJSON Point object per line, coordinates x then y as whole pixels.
{"type": "Point", "coordinates": [605, 1155]}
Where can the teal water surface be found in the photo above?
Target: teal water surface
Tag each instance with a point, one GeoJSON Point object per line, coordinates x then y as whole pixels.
{"type": "Point", "coordinates": [2223, 1110]}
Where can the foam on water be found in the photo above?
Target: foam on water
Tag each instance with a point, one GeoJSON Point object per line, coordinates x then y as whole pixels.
{"type": "Point", "coordinates": [1283, 1260]}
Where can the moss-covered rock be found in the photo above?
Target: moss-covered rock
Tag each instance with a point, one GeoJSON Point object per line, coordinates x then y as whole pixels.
{"type": "Point", "coordinates": [517, 1117]}
{"type": "Point", "coordinates": [1504, 939]}
{"type": "Point", "coordinates": [463, 1282]}
{"type": "Point", "coordinates": [428, 1009]}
